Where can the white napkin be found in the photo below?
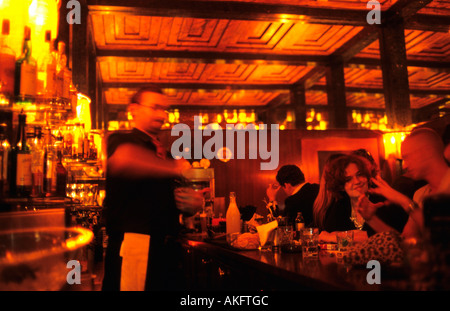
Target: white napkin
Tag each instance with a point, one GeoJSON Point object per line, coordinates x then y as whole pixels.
{"type": "Point", "coordinates": [265, 230]}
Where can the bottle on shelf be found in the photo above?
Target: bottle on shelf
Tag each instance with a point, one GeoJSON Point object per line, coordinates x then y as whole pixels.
{"type": "Point", "coordinates": [61, 175]}
{"type": "Point", "coordinates": [25, 71]}
{"type": "Point", "coordinates": [5, 149]}
{"type": "Point", "coordinates": [68, 141]}
{"type": "Point", "coordinates": [49, 164]}
{"type": "Point", "coordinates": [233, 216]}
{"type": "Point", "coordinates": [63, 73]}
{"type": "Point", "coordinates": [7, 62]}
{"type": "Point", "coordinates": [92, 149]}
{"type": "Point", "coordinates": [47, 69]}
{"type": "Point", "coordinates": [37, 163]}
{"type": "Point", "coordinates": [299, 224]}
{"type": "Point", "coordinates": [21, 181]}
{"type": "Point", "coordinates": [80, 135]}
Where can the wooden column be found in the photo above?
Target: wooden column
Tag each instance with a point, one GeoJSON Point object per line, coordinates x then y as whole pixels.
{"type": "Point", "coordinates": [337, 108]}
{"type": "Point", "coordinates": [298, 102]}
{"type": "Point", "coordinates": [80, 51]}
{"type": "Point", "coordinates": [395, 74]}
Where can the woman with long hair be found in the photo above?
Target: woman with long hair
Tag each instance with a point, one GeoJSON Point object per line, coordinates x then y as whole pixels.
{"type": "Point", "coordinates": [347, 180]}
{"type": "Point", "coordinates": [324, 197]}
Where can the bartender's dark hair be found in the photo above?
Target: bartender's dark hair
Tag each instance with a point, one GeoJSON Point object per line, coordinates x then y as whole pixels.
{"type": "Point", "coordinates": [290, 174]}
{"type": "Point", "coordinates": [136, 99]}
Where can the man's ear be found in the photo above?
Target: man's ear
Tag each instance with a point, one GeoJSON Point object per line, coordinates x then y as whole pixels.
{"type": "Point", "coordinates": [132, 108]}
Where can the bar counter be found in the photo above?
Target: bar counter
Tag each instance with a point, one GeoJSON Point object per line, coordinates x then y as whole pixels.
{"type": "Point", "coordinates": [213, 265]}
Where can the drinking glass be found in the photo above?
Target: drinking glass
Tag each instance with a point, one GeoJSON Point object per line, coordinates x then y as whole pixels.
{"type": "Point", "coordinates": [310, 242]}
{"type": "Point", "coordinates": [344, 240]}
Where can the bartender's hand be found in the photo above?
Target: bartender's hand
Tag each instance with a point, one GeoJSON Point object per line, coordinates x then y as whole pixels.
{"type": "Point", "coordinates": [188, 200]}
{"type": "Point", "coordinates": [272, 191]}
{"type": "Point", "coordinates": [181, 165]}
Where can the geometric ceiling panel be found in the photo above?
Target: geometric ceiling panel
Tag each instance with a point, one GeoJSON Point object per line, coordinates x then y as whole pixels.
{"type": "Point", "coordinates": [316, 98]}
{"type": "Point", "coordinates": [360, 78]}
{"type": "Point", "coordinates": [165, 72]}
{"type": "Point", "coordinates": [422, 78]}
{"type": "Point", "coordinates": [199, 34]}
{"type": "Point", "coordinates": [317, 39]}
{"type": "Point", "coordinates": [362, 100]}
{"type": "Point", "coordinates": [223, 98]}
{"type": "Point", "coordinates": [419, 78]}
{"type": "Point", "coordinates": [417, 102]}
{"type": "Point", "coordinates": [437, 7]}
{"type": "Point", "coordinates": [420, 45]}
{"type": "Point", "coordinates": [229, 59]}
{"type": "Point", "coordinates": [179, 98]}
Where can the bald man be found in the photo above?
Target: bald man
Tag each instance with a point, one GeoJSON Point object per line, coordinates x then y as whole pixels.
{"type": "Point", "coordinates": [423, 156]}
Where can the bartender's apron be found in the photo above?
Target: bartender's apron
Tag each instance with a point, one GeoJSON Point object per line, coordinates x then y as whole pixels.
{"type": "Point", "coordinates": [134, 253]}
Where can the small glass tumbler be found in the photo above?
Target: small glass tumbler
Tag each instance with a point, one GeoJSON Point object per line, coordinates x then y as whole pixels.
{"type": "Point", "coordinates": [310, 242]}
{"type": "Point", "coordinates": [344, 240]}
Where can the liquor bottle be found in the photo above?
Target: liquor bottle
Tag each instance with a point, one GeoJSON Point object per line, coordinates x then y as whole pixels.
{"type": "Point", "coordinates": [299, 225]}
{"type": "Point", "coordinates": [59, 143]}
{"type": "Point", "coordinates": [20, 185]}
{"type": "Point", "coordinates": [49, 164]}
{"type": "Point", "coordinates": [233, 216]}
{"type": "Point", "coordinates": [68, 141]}
{"type": "Point", "coordinates": [92, 149]}
{"type": "Point", "coordinates": [47, 69]}
{"type": "Point", "coordinates": [5, 149]}
{"type": "Point", "coordinates": [7, 62]}
{"type": "Point", "coordinates": [80, 141]}
{"type": "Point", "coordinates": [61, 176]}
{"type": "Point", "coordinates": [85, 146]}
{"type": "Point", "coordinates": [25, 71]}
{"type": "Point", "coordinates": [37, 163]}
{"type": "Point", "coordinates": [61, 70]}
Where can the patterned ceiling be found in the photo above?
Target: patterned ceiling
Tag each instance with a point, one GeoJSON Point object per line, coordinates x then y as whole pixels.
{"type": "Point", "coordinates": [249, 53]}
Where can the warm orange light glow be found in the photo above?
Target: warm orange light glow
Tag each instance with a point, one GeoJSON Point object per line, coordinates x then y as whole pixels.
{"type": "Point", "coordinates": [392, 143]}
{"type": "Point", "coordinates": [84, 111]}
{"type": "Point", "coordinates": [224, 154]}
{"type": "Point", "coordinates": [39, 15]}
{"type": "Point", "coordinates": [83, 238]}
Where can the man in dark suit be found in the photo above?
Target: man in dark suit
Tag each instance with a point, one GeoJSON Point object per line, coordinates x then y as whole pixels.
{"type": "Point", "coordinates": [301, 195]}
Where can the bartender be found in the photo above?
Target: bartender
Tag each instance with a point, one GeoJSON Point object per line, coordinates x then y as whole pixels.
{"type": "Point", "coordinates": [142, 207]}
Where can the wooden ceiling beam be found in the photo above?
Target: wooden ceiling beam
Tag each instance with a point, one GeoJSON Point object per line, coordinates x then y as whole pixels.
{"type": "Point", "coordinates": [282, 88]}
{"type": "Point", "coordinates": [270, 12]}
{"type": "Point", "coordinates": [199, 86]}
{"type": "Point", "coordinates": [414, 92]}
{"type": "Point", "coordinates": [241, 58]}
{"type": "Point", "coordinates": [212, 57]}
{"type": "Point", "coordinates": [427, 22]}
{"type": "Point", "coordinates": [375, 63]}
{"type": "Point", "coordinates": [231, 11]}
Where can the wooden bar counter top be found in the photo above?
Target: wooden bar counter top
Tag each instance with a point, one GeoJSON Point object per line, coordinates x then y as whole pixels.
{"type": "Point", "coordinates": [214, 265]}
